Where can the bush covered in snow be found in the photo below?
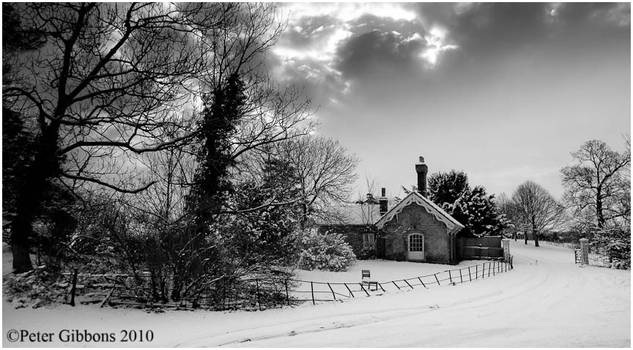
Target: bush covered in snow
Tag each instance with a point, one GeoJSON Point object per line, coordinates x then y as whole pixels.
{"type": "Point", "coordinates": [35, 288]}
{"type": "Point", "coordinates": [615, 243]}
{"type": "Point", "coordinates": [327, 251]}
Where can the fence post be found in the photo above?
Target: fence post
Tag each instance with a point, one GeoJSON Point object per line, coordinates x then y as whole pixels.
{"type": "Point", "coordinates": [363, 288]}
{"type": "Point", "coordinates": [584, 251]}
{"type": "Point", "coordinates": [332, 290]}
{"type": "Point", "coordinates": [407, 282]}
{"type": "Point", "coordinates": [312, 291]}
{"type": "Point", "coordinates": [74, 288]}
{"type": "Point", "coordinates": [438, 281]}
{"type": "Point", "coordinates": [505, 243]}
{"type": "Point", "coordinates": [380, 285]}
{"type": "Point", "coordinates": [423, 285]}
{"type": "Point", "coordinates": [450, 278]}
{"type": "Point", "coordinates": [395, 284]}
{"type": "Point", "coordinates": [470, 277]}
{"type": "Point", "coordinates": [350, 291]}
{"type": "Point", "coordinates": [461, 279]}
{"type": "Point", "coordinates": [488, 269]}
{"type": "Point", "coordinates": [476, 271]}
{"type": "Point", "coordinates": [224, 295]}
{"type": "Point", "coordinates": [287, 295]}
{"type": "Point", "coordinates": [259, 304]}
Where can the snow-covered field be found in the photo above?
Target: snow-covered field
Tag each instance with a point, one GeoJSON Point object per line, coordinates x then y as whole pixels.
{"type": "Point", "coordinates": [546, 301]}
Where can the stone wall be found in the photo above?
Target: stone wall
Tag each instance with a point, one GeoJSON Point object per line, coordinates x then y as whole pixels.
{"type": "Point", "coordinates": [415, 219]}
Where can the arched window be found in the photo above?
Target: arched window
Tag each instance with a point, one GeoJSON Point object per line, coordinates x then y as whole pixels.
{"type": "Point", "coordinates": [416, 242]}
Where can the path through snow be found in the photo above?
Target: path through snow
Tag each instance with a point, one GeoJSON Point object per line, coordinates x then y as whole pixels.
{"type": "Point", "coordinates": [546, 301]}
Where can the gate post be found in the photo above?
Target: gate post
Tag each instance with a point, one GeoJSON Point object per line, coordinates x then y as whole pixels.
{"type": "Point", "coordinates": [584, 251]}
{"type": "Point", "coordinates": [505, 243]}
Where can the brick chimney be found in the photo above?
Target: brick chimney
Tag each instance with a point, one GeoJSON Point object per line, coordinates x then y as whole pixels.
{"type": "Point", "coordinates": [384, 204]}
{"type": "Point", "coordinates": [421, 169]}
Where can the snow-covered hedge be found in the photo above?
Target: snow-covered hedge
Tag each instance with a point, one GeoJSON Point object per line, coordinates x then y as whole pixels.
{"type": "Point", "coordinates": [327, 251]}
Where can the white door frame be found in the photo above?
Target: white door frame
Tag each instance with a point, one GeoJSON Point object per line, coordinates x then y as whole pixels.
{"type": "Point", "coordinates": [417, 255]}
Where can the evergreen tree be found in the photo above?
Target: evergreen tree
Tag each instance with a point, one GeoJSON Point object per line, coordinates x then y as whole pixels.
{"type": "Point", "coordinates": [447, 187]}
{"type": "Point", "coordinates": [473, 208]}
{"type": "Point", "coordinates": [478, 212]}
{"type": "Point", "coordinates": [196, 250]}
{"type": "Point", "coordinates": [220, 117]}
{"type": "Point", "coordinates": [269, 233]}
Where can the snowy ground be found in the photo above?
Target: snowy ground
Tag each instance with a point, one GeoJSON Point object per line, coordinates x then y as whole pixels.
{"type": "Point", "coordinates": [546, 301]}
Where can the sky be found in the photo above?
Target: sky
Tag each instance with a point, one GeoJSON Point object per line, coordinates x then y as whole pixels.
{"type": "Point", "coordinates": [502, 91]}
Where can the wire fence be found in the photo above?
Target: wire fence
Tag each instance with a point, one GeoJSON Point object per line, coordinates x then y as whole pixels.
{"type": "Point", "coordinates": [264, 293]}
{"type": "Point", "coordinates": [313, 291]}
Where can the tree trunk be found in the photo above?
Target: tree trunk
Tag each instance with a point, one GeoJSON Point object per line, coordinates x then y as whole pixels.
{"type": "Point", "coordinates": [599, 214]}
{"type": "Point", "coordinates": [525, 234]}
{"type": "Point", "coordinates": [534, 232]}
{"type": "Point", "coordinates": [31, 195]}
{"type": "Point", "coordinates": [21, 257]}
{"type": "Point", "coordinates": [535, 238]}
{"type": "Point", "coordinates": [304, 215]}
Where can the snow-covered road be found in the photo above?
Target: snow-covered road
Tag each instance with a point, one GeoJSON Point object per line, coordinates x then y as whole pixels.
{"type": "Point", "coordinates": [546, 301]}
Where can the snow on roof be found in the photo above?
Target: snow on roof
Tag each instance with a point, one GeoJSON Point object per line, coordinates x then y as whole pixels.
{"type": "Point", "coordinates": [414, 197]}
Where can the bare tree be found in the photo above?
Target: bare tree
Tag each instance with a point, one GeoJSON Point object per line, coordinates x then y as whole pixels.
{"type": "Point", "coordinates": [109, 79]}
{"type": "Point", "coordinates": [599, 182]}
{"type": "Point", "coordinates": [534, 207]}
{"type": "Point", "coordinates": [325, 171]}
{"type": "Point", "coordinates": [509, 209]}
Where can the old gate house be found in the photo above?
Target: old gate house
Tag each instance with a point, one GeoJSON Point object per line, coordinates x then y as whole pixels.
{"type": "Point", "coordinates": [410, 229]}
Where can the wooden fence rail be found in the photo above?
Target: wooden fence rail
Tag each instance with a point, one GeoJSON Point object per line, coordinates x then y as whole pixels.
{"type": "Point", "coordinates": [259, 293]}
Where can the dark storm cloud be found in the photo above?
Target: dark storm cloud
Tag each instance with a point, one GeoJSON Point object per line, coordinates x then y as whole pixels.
{"type": "Point", "coordinates": [378, 53]}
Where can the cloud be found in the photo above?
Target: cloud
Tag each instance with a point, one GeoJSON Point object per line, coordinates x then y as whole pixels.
{"type": "Point", "coordinates": [378, 53]}
{"type": "Point", "coordinates": [329, 47]}
{"type": "Point", "coordinates": [332, 44]}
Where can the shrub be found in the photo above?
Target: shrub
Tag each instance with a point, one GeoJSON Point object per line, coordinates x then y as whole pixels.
{"type": "Point", "coordinates": [615, 243]}
{"type": "Point", "coordinates": [366, 254]}
{"type": "Point", "coordinates": [36, 288]}
{"type": "Point", "coordinates": [327, 251]}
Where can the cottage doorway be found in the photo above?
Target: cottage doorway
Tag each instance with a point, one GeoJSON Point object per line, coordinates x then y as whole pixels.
{"type": "Point", "coordinates": [415, 246]}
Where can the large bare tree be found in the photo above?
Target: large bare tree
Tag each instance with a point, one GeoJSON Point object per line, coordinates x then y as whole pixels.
{"type": "Point", "coordinates": [532, 206]}
{"type": "Point", "coordinates": [599, 182]}
{"type": "Point", "coordinates": [325, 171]}
{"type": "Point", "coordinates": [107, 81]}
